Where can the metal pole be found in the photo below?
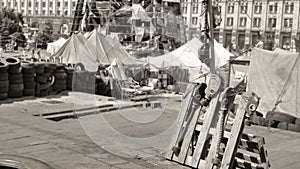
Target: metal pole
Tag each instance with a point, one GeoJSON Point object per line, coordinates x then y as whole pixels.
{"type": "Point", "coordinates": [211, 39]}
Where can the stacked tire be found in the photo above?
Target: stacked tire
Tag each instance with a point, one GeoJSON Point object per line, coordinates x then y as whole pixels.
{"type": "Point", "coordinates": [69, 72]}
{"type": "Point", "coordinates": [28, 70]}
{"type": "Point", "coordinates": [41, 79]}
{"type": "Point", "coordinates": [60, 75]}
{"type": "Point", "coordinates": [4, 83]}
{"type": "Point", "coordinates": [50, 68]}
{"type": "Point", "coordinates": [16, 85]}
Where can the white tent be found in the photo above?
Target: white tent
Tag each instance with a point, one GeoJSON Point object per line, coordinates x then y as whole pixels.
{"type": "Point", "coordinates": [53, 47]}
{"type": "Point", "coordinates": [187, 56]}
{"type": "Point", "coordinates": [75, 51]}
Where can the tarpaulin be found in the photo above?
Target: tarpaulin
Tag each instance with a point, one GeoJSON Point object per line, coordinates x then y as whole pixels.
{"type": "Point", "coordinates": [274, 76]}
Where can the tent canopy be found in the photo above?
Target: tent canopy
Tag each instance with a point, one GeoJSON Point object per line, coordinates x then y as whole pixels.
{"type": "Point", "coordinates": [74, 51]}
{"type": "Point", "coordinates": [107, 49]}
{"type": "Point", "coordinates": [187, 56]}
{"type": "Point", "coordinates": [53, 47]}
{"type": "Point", "coordinates": [274, 76]}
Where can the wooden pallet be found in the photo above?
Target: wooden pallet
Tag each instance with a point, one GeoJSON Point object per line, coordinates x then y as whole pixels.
{"type": "Point", "coordinates": [238, 150]}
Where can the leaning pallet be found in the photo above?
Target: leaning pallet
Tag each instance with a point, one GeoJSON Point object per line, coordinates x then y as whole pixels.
{"type": "Point", "coordinates": [208, 143]}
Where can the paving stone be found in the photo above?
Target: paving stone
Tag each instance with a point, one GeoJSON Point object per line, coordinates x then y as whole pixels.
{"type": "Point", "coordinates": [35, 148]}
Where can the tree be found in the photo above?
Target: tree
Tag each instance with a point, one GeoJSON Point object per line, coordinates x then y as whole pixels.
{"type": "Point", "coordinates": [10, 25]}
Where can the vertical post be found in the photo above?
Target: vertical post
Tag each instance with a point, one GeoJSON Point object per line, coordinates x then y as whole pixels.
{"type": "Point", "coordinates": [190, 11]}
{"type": "Point", "coordinates": [211, 32]}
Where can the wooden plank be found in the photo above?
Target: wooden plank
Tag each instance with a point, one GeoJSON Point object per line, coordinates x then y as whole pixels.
{"type": "Point", "coordinates": [210, 117]}
{"type": "Point", "coordinates": [80, 109]}
{"type": "Point", "coordinates": [88, 112]}
{"type": "Point", "coordinates": [187, 97]}
{"type": "Point", "coordinates": [189, 134]}
{"type": "Point", "coordinates": [236, 131]}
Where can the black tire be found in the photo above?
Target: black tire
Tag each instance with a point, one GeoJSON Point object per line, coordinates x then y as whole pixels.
{"type": "Point", "coordinates": [28, 70]}
{"type": "Point", "coordinates": [4, 89]}
{"type": "Point", "coordinates": [27, 64]}
{"type": "Point", "coordinates": [44, 92]}
{"type": "Point", "coordinates": [4, 83]}
{"type": "Point", "coordinates": [3, 96]}
{"type": "Point", "coordinates": [15, 71]}
{"type": "Point", "coordinates": [28, 79]}
{"type": "Point", "coordinates": [13, 63]}
{"type": "Point", "coordinates": [47, 75]}
{"type": "Point", "coordinates": [60, 88]}
{"type": "Point", "coordinates": [79, 66]}
{"type": "Point", "coordinates": [283, 125]}
{"type": "Point", "coordinates": [45, 86]}
{"type": "Point", "coordinates": [294, 127]}
{"type": "Point", "coordinates": [16, 87]}
{"type": "Point", "coordinates": [3, 66]}
{"type": "Point", "coordinates": [69, 70]}
{"type": "Point", "coordinates": [58, 71]}
{"type": "Point", "coordinates": [60, 67]}
{"type": "Point", "coordinates": [39, 70]}
{"type": "Point", "coordinates": [48, 71]}
{"type": "Point", "coordinates": [60, 82]}
{"type": "Point", "coordinates": [16, 81]}
{"type": "Point", "coordinates": [60, 76]}
{"type": "Point", "coordinates": [28, 75]}
{"type": "Point", "coordinates": [15, 76]}
{"type": "Point", "coordinates": [297, 121]}
{"type": "Point", "coordinates": [15, 94]}
{"type": "Point", "coordinates": [29, 85]}
{"type": "Point", "coordinates": [3, 76]}
{"type": "Point", "coordinates": [40, 65]}
{"type": "Point", "coordinates": [41, 79]}
{"type": "Point", "coordinates": [29, 92]}
{"type": "Point", "coordinates": [281, 117]}
{"type": "Point", "coordinates": [50, 66]}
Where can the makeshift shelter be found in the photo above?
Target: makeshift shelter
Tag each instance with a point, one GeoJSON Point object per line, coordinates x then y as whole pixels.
{"type": "Point", "coordinates": [75, 51]}
{"type": "Point", "coordinates": [187, 57]}
{"type": "Point", "coordinates": [107, 49]}
{"type": "Point", "coordinates": [274, 76]}
{"type": "Point", "coordinates": [53, 47]}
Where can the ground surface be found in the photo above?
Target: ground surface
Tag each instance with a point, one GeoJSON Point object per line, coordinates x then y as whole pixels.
{"type": "Point", "coordinates": [65, 144]}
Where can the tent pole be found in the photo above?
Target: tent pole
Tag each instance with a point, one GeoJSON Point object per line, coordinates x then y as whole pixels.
{"type": "Point", "coordinates": [211, 39]}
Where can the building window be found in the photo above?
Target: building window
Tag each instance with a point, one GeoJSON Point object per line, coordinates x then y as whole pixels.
{"type": "Point", "coordinates": [44, 4]}
{"type": "Point", "coordinates": [184, 19]}
{"type": "Point", "coordinates": [230, 8]}
{"type": "Point", "coordinates": [16, 3]}
{"type": "Point", "coordinates": [58, 12]}
{"type": "Point", "coordinates": [273, 8]}
{"type": "Point", "coordinates": [58, 4]}
{"type": "Point", "coordinates": [66, 3]}
{"type": "Point", "coordinates": [36, 3]}
{"type": "Point", "coordinates": [289, 7]}
{"type": "Point", "coordinates": [74, 3]}
{"type": "Point", "coordinates": [29, 3]}
{"type": "Point", "coordinates": [51, 4]}
{"type": "Point", "coordinates": [44, 12]}
{"type": "Point", "coordinates": [288, 22]}
{"type": "Point", "coordinates": [184, 9]}
{"type": "Point", "coordinates": [194, 20]}
{"type": "Point", "coordinates": [256, 22]}
{"type": "Point", "coordinates": [272, 22]}
{"type": "Point", "coordinates": [257, 8]}
{"type": "Point", "coordinates": [229, 22]}
{"type": "Point", "coordinates": [195, 8]}
{"type": "Point", "coordinates": [244, 8]}
{"type": "Point", "coordinates": [22, 3]}
{"type": "Point", "coordinates": [243, 22]}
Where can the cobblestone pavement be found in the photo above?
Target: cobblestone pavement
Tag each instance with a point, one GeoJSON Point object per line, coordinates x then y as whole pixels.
{"type": "Point", "coordinates": [65, 145]}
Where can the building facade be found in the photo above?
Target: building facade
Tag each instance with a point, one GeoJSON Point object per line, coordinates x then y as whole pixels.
{"type": "Point", "coordinates": [245, 22]}
{"type": "Point", "coordinates": [41, 13]}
